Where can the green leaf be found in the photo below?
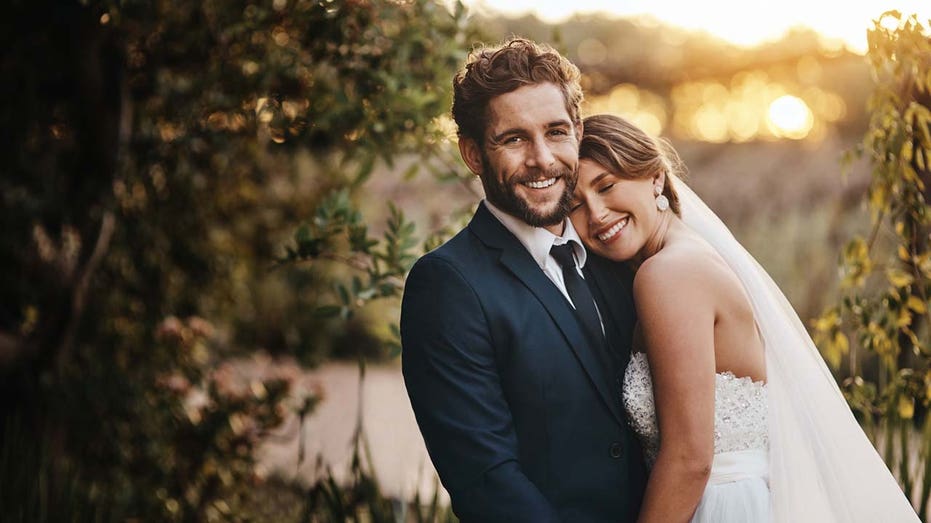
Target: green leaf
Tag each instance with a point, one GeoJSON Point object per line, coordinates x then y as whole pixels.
{"type": "Point", "coordinates": [917, 304]}
{"type": "Point", "coordinates": [411, 171]}
{"type": "Point", "coordinates": [899, 278]}
{"type": "Point", "coordinates": [906, 407]}
{"type": "Point", "coordinates": [365, 170]}
{"type": "Point", "coordinates": [327, 311]}
{"type": "Point", "coordinates": [343, 293]}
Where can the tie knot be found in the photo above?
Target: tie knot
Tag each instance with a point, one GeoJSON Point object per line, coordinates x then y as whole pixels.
{"type": "Point", "coordinates": [563, 255]}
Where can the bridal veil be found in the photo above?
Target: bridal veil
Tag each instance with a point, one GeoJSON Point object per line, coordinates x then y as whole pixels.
{"type": "Point", "coordinates": [823, 468]}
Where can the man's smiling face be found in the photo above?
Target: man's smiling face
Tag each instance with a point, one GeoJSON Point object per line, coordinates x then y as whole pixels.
{"type": "Point", "coordinates": [529, 158]}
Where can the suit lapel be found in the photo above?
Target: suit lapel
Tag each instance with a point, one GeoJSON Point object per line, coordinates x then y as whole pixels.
{"type": "Point", "coordinates": [519, 262]}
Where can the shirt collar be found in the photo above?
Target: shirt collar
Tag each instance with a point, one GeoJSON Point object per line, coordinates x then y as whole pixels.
{"type": "Point", "coordinates": [538, 240]}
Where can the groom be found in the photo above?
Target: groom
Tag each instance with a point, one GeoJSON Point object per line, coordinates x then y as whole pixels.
{"type": "Point", "coordinates": [510, 357]}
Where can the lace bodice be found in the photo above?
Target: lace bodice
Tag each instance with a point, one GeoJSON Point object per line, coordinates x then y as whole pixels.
{"type": "Point", "coordinates": [739, 410]}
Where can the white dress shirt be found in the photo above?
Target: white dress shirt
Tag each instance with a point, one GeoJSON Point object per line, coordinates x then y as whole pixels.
{"type": "Point", "coordinates": [538, 242]}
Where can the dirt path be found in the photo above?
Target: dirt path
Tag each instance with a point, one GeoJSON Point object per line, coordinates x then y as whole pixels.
{"type": "Point", "coordinates": [399, 457]}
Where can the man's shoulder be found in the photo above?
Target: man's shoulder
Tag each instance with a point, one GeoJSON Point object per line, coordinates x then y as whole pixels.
{"type": "Point", "coordinates": [463, 265]}
{"type": "Point", "coordinates": [461, 253]}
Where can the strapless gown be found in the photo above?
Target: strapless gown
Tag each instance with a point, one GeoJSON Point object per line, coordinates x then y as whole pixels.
{"type": "Point", "coordinates": [738, 489]}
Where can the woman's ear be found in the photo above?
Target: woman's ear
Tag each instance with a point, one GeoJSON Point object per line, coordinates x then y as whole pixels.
{"type": "Point", "coordinates": [471, 155]}
{"type": "Point", "coordinates": [659, 180]}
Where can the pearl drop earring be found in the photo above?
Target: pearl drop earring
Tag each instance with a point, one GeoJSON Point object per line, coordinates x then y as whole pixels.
{"type": "Point", "coordinates": [662, 203]}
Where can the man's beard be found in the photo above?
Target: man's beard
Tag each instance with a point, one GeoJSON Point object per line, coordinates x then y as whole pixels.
{"type": "Point", "coordinates": [504, 197]}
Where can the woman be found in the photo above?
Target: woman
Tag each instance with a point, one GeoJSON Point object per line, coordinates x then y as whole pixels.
{"type": "Point", "coordinates": [739, 416]}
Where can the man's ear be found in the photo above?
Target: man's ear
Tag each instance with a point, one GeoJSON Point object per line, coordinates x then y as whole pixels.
{"type": "Point", "coordinates": [471, 155]}
{"type": "Point", "coordinates": [578, 131]}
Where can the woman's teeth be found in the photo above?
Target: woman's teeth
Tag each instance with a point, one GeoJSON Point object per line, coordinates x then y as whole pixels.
{"type": "Point", "coordinates": [612, 232]}
{"type": "Point", "coordinates": [542, 184]}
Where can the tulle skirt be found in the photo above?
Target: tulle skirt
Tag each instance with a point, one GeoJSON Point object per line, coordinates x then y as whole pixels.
{"type": "Point", "coordinates": [738, 489]}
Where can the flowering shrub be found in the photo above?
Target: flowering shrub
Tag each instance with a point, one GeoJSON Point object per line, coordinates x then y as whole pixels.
{"type": "Point", "coordinates": [204, 421]}
{"type": "Point", "coordinates": [159, 153]}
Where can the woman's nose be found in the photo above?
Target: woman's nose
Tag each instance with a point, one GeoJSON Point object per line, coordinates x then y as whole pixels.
{"type": "Point", "coordinates": [597, 213]}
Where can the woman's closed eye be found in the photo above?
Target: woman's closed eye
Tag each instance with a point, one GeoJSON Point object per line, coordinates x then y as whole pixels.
{"type": "Point", "coordinates": [605, 188]}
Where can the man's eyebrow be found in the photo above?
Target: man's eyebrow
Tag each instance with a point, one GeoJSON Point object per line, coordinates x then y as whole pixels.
{"type": "Point", "coordinates": [559, 123]}
{"type": "Point", "coordinates": [516, 130]}
{"type": "Point", "coordinates": [500, 136]}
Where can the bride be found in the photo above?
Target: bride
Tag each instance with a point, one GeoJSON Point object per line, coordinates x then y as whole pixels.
{"type": "Point", "coordinates": [739, 417]}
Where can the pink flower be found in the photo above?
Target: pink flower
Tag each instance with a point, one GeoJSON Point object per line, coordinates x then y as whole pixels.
{"type": "Point", "coordinates": [200, 327]}
{"type": "Point", "coordinates": [171, 329]}
{"type": "Point", "coordinates": [174, 382]}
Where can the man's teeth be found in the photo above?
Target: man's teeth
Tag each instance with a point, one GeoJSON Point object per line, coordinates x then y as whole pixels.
{"type": "Point", "coordinates": [610, 233]}
{"type": "Point", "coordinates": [542, 184]}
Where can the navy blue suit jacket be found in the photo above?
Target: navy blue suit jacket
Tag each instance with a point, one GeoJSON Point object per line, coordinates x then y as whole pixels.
{"type": "Point", "coordinates": [521, 415]}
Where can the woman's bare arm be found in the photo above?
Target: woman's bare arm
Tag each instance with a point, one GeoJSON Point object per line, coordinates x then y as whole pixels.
{"type": "Point", "coordinates": [675, 300]}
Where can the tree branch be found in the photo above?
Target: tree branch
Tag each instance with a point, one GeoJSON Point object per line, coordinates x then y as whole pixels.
{"type": "Point", "coordinates": [79, 297]}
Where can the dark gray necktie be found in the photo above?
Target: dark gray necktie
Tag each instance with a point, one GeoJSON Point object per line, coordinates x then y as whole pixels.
{"type": "Point", "coordinates": [579, 292]}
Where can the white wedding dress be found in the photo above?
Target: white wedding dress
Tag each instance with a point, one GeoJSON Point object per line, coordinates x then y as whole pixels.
{"type": "Point", "coordinates": [789, 451]}
{"type": "Point", "coordinates": [738, 488]}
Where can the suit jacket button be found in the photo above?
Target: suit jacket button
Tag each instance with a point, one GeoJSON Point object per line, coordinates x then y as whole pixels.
{"type": "Point", "coordinates": [615, 450]}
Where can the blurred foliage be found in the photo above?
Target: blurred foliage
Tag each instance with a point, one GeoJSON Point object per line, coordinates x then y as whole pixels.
{"type": "Point", "coordinates": [881, 325]}
{"type": "Point", "coordinates": [384, 262]}
{"type": "Point", "coordinates": [159, 160]}
{"type": "Point", "coordinates": [360, 500]}
{"type": "Point", "coordinates": [157, 156]}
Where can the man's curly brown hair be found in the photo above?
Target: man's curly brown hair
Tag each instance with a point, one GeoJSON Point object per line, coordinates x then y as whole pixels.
{"type": "Point", "coordinates": [493, 71]}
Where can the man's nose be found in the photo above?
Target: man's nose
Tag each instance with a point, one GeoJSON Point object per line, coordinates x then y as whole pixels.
{"type": "Point", "coordinates": [540, 155]}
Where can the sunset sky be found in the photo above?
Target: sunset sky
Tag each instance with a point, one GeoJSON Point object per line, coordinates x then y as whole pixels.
{"type": "Point", "coordinates": [740, 22]}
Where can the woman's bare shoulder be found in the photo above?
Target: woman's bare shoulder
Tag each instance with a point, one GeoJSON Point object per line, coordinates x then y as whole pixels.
{"type": "Point", "coordinates": [687, 264]}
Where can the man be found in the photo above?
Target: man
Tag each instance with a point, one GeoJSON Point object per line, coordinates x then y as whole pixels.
{"type": "Point", "coordinates": [510, 357]}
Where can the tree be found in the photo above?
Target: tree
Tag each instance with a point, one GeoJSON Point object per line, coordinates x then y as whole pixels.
{"type": "Point", "coordinates": [159, 153]}
{"type": "Point", "coordinates": [887, 275]}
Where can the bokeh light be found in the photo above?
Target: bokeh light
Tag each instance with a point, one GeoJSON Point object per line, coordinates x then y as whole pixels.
{"type": "Point", "coordinates": [751, 106]}
{"type": "Point", "coordinates": [642, 107]}
{"type": "Point", "coordinates": [790, 117]}
{"type": "Point", "coordinates": [741, 23]}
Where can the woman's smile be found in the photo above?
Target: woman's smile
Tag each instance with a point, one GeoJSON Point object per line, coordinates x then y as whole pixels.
{"type": "Point", "coordinates": [612, 232]}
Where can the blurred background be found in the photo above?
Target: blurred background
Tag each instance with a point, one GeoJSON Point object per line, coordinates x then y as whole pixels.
{"type": "Point", "coordinates": [209, 208]}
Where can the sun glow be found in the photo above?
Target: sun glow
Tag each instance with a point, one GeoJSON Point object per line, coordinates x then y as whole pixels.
{"type": "Point", "coordinates": [790, 117]}
{"type": "Point", "coordinates": [751, 106]}
{"type": "Point", "coordinates": [643, 108]}
{"type": "Point", "coordinates": [839, 22]}
{"type": "Point", "coordinates": [792, 99]}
